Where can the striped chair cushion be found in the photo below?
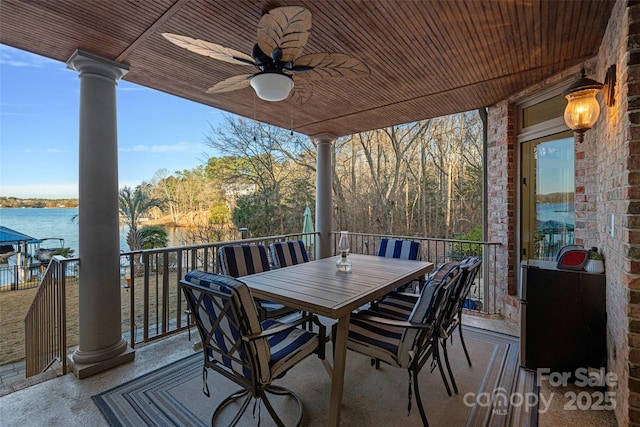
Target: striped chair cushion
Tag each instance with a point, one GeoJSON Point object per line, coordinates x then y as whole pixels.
{"type": "Point", "coordinates": [284, 254]}
{"type": "Point", "coordinates": [429, 309]}
{"type": "Point", "coordinates": [241, 260]}
{"type": "Point", "coordinates": [470, 267]}
{"type": "Point", "coordinates": [376, 340]}
{"type": "Point", "coordinates": [394, 248]}
{"type": "Point", "coordinates": [288, 347]}
{"type": "Point", "coordinates": [400, 305]}
{"type": "Point", "coordinates": [444, 274]}
{"type": "Point", "coordinates": [396, 305]}
{"type": "Point", "coordinates": [403, 249]}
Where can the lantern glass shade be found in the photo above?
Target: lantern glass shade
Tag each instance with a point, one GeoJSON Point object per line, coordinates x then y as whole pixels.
{"type": "Point", "coordinates": [272, 86]}
{"type": "Point", "coordinates": [583, 109]}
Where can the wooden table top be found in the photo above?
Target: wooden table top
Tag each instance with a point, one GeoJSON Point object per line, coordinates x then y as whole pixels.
{"type": "Point", "coordinates": [318, 286]}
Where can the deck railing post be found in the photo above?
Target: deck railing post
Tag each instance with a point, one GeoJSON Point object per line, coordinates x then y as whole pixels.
{"type": "Point", "coordinates": [324, 210]}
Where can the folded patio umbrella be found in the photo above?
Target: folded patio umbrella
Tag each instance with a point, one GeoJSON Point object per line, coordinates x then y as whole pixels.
{"type": "Point", "coordinates": [307, 227]}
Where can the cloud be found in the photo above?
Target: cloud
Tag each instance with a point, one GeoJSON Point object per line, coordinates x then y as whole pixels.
{"type": "Point", "coordinates": [131, 88]}
{"type": "Point", "coordinates": [7, 113]}
{"type": "Point", "coordinates": [21, 149]}
{"type": "Point", "coordinates": [181, 147]}
{"type": "Point", "coordinates": [18, 58]}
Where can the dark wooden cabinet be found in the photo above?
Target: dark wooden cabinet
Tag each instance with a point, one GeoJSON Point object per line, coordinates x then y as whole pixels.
{"type": "Point", "coordinates": [563, 318]}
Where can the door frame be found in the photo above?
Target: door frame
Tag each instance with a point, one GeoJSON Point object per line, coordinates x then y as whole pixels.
{"type": "Point", "coordinates": [526, 134]}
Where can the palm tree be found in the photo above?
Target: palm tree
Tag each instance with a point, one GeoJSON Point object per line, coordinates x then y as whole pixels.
{"type": "Point", "coordinates": [134, 205]}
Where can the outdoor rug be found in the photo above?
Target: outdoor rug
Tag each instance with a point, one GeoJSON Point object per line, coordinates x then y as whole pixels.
{"type": "Point", "coordinates": [493, 392]}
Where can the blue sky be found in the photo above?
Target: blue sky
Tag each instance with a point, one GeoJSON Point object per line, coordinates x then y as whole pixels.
{"type": "Point", "coordinates": [39, 102]}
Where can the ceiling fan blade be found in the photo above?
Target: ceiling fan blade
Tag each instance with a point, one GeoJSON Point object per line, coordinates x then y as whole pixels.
{"type": "Point", "coordinates": [285, 27]}
{"type": "Point", "coordinates": [231, 84]}
{"type": "Point", "coordinates": [302, 91]}
{"type": "Point", "coordinates": [209, 49]}
{"type": "Point", "coordinates": [329, 65]}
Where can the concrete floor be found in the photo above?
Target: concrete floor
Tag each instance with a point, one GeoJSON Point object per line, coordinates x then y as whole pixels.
{"type": "Point", "coordinates": [66, 401]}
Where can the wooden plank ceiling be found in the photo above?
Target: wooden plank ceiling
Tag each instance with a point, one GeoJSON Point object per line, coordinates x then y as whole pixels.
{"type": "Point", "coordinates": [427, 58]}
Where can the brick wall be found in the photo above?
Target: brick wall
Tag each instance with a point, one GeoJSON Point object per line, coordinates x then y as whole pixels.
{"type": "Point", "coordinates": [607, 180]}
{"type": "Point", "coordinates": [501, 176]}
{"type": "Point", "coordinates": [616, 147]}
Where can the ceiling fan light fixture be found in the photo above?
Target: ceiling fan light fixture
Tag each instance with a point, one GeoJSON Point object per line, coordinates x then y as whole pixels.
{"type": "Point", "coordinates": [272, 86]}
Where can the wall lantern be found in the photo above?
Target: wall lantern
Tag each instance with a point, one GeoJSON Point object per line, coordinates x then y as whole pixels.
{"type": "Point", "coordinates": [582, 111]}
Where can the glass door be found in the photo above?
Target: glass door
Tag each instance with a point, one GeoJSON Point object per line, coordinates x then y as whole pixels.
{"type": "Point", "coordinates": [548, 185]}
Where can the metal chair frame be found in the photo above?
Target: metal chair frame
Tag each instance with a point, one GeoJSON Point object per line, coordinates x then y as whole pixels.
{"type": "Point", "coordinates": [452, 318]}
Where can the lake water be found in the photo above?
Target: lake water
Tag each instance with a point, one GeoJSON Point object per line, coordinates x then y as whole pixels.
{"type": "Point", "coordinates": [561, 212]}
{"type": "Point", "coordinates": [59, 223]}
{"type": "Point", "coordinates": [42, 223]}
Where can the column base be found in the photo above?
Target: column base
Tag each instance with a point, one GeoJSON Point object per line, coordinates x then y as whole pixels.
{"type": "Point", "coordinates": [84, 370]}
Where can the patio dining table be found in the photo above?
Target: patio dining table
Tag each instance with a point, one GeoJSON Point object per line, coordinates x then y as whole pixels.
{"type": "Point", "coordinates": [318, 287]}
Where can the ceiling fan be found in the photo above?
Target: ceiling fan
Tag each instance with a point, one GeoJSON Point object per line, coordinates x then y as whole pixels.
{"type": "Point", "coordinates": [282, 35]}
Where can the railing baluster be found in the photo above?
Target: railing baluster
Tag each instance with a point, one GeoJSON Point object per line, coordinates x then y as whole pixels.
{"type": "Point", "coordinates": [62, 320]}
{"type": "Point", "coordinates": [145, 324]}
{"type": "Point", "coordinates": [179, 273]}
{"type": "Point", "coordinates": [165, 292]}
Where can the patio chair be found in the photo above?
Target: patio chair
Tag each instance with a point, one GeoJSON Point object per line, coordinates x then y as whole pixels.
{"type": "Point", "coordinates": [409, 343]}
{"type": "Point", "coordinates": [241, 260]}
{"type": "Point", "coordinates": [452, 317]}
{"type": "Point", "coordinates": [396, 248]}
{"type": "Point", "coordinates": [403, 249]}
{"type": "Point", "coordinates": [284, 254]}
{"type": "Point", "coordinates": [400, 305]}
{"type": "Point", "coordinates": [247, 351]}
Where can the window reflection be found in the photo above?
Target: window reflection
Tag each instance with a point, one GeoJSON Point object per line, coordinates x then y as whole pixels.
{"type": "Point", "coordinates": [554, 221]}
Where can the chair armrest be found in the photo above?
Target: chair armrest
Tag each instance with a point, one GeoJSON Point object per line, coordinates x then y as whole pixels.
{"type": "Point", "coordinates": [408, 294]}
{"type": "Point", "coordinates": [392, 322]}
{"type": "Point", "coordinates": [277, 329]}
{"type": "Point", "coordinates": [446, 329]}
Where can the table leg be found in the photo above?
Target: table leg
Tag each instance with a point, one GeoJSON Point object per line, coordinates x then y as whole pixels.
{"type": "Point", "coordinates": [339, 364]}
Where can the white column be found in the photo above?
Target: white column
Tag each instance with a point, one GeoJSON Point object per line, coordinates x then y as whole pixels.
{"type": "Point", "coordinates": [324, 203]}
{"type": "Point", "coordinates": [101, 345]}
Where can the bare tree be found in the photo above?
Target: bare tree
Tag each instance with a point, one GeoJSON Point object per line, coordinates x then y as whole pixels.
{"type": "Point", "coordinates": [422, 178]}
